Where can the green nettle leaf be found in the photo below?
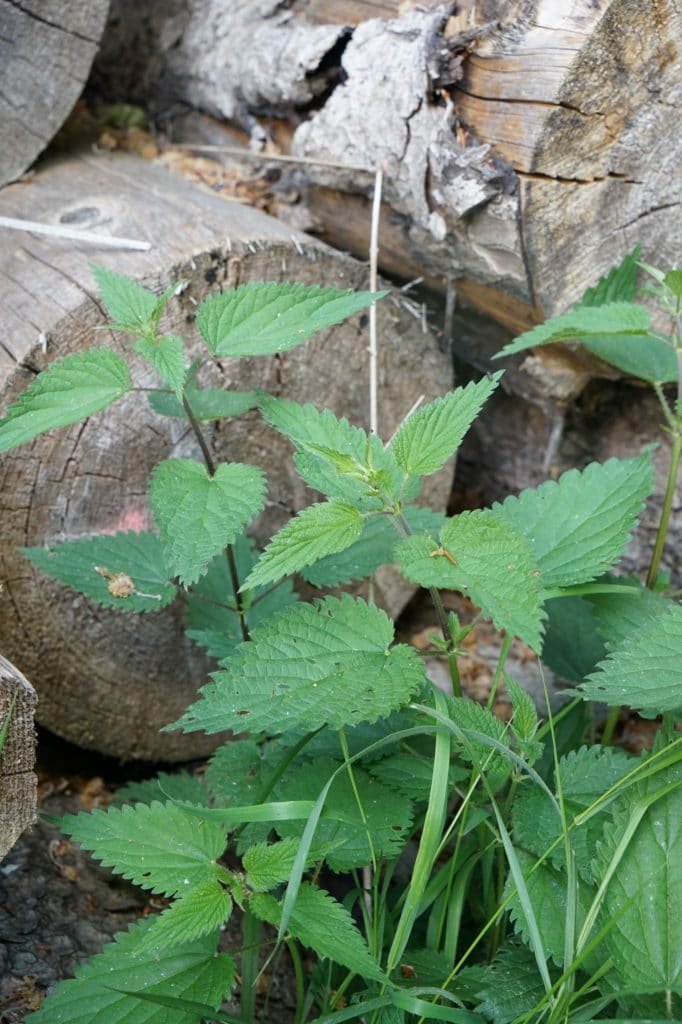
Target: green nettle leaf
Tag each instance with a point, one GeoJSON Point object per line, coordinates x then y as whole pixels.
{"type": "Point", "coordinates": [488, 559]}
{"type": "Point", "coordinates": [317, 531]}
{"type": "Point", "coordinates": [586, 774]}
{"type": "Point", "coordinates": [199, 515]}
{"type": "Point", "coordinates": [424, 442]}
{"type": "Point", "coordinates": [511, 985]}
{"type": "Point", "coordinates": [71, 389]}
{"type": "Point", "coordinates": [579, 525]}
{"type": "Point", "coordinates": [191, 971]}
{"type": "Point", "coordinates": [236, 776]}
{"type": "Point", "coordinates": [340, 460]}
{"type": "Point", "coordinates": [673, 282]}
{"type": "Point", "coordinates": [318, 921]}
{"type": "Point", "coordinates": [618, 332]}
{"type": "Point", "coordinates": [468, 715]}
{"type": "Point", "coordinates": [650, 358]}
{"type": "Point", "coordinates": [620, 616]}
{"type": "Point", "coordinates": [618, 285]}
{"type": "Point", "coordinates": [210, 611]}
{"type": "Point", "coordinates": [267, 865]}
{"type": "Point", "coordinates": [206, 403]}
{"type": "Point", "coordinates": [374, 547]}
{"type": "Point", "coordinates": [643, 899]}
{"type": "Point", "coordinates": [585, 322]}
{"type": "Point", "coordinates": [133, 308]}
{"type": "Point", "coordinates": [311, 665]}
{"type": "Point", "coordinates": [307, 426]}
{"type": "Point", "coordinates": [159, 847]}
{"type": "Point", "coordinates": [411, 776]}
{"type": "Point", "coordinates": [126, 571]}
{"type": "Point", "coordinates": [258, 319]}
{"type": "Point", "coordinates": [201, 911]}
{"type": "Point", "coordinates": [547, 894]}
{"type": "Point", "coordinates": [386, 816]}
{"type": "Point", "coordinates": [572, 647]}
{"type": "Point", "coordinates": [182, 786]}
{"type": "Point", "coordinates": [234, 772]}
{"type": "Point", "coordinates": [525, 717]}
{"type": "Point", "coordinates": [166, 355]}
{"type": "Point", "coordinates": [645, 670]}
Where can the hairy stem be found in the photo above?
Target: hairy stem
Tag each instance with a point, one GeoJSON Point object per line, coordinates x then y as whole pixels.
{"type": "Point", "coordinates": [667, 508]}
{"type": "Point", "coordinates": [229, 550]}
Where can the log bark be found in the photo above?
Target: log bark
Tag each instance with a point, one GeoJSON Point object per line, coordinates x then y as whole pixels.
{"type": "Point", "coordinates": [17, 757]}
{"type": "Point", "coordinates": [108, 680]}
{"type": "Point", "coordinates": [46, 51]}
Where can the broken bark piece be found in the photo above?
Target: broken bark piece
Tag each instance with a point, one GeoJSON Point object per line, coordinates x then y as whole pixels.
{"type": "Point", "coordinates": [17, 757]}
{"type": "Point", "coordinates": [109, 680]}
{"type": "Point", "coordinates": [46, 50]}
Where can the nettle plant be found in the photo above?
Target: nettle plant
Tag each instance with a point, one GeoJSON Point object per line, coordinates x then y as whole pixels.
{"type": "Point", "coordinates": [493, 871]}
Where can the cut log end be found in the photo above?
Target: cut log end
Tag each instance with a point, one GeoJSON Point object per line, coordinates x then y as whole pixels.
{"type": "Point", "coordinates": [17, 758]}
{"type": "Point", "coordinates": [110, 681]}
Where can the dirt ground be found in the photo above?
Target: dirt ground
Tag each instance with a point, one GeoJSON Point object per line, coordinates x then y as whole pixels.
{"type": "Point", "coordinates": [58, 907]}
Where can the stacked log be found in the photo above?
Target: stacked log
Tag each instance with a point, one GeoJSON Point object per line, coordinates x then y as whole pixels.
{"type": "Point", "coordinates": [109, 680]}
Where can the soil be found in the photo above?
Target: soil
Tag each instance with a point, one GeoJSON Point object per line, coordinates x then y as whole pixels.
{"type": "Point", "coordinates": [58, 907]}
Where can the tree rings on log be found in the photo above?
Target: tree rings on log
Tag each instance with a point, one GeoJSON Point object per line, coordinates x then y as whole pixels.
{"type": "Point", "coordinates": [109, 680]}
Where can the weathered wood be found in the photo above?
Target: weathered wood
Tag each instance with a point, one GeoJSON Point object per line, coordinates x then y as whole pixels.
{"type": "Point", "coordinates": [17, 757]}
{"type": "Point", "coordinates": [46, 51]}
{"type": "Point", "coordinates": [526, 145]}
{"type": "Point", "coordinates": [109, 680]}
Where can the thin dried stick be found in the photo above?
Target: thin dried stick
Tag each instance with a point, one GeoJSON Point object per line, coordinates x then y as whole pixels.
{"type": "Point", "coordinates": [373, 259]}
{"type": "Point", "coordinates": [280, 158]}
{"type": "Point", "coordinates": [58, 231]}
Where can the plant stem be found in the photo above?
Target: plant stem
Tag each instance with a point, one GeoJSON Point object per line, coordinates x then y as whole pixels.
{"type": "Point", "coordinates": [300, 982]}
{"type": "Point", "coordinates": [229, 550]}
{"type": "Point", "coordinates": [610, 726]}
{"type": "Point", "coordinates": [452, 657]}
{"type": "Point", "coordinates": [250, 956]}
{"type": "Point", "coordinates": [403, 527]}
{"type": "Point", "coordinates": [501, 661]}
{"type": "Point", "coordinates": [198, 433]}
{"type": "Point", "coordinates": [664, 522]}
{"type": "Point", "coordinates": [667, 508]}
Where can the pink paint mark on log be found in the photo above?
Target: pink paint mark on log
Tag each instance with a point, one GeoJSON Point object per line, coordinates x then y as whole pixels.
{"type": "Point", "coordinates": [131, 520]}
